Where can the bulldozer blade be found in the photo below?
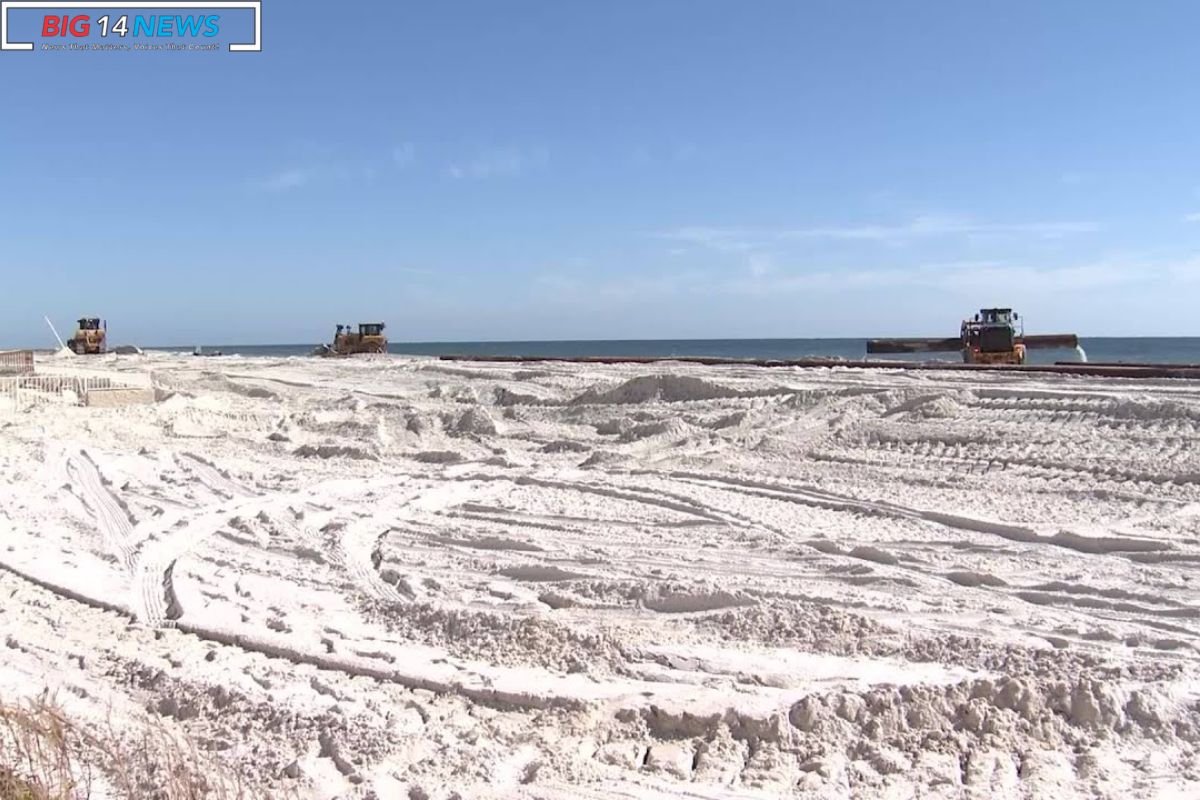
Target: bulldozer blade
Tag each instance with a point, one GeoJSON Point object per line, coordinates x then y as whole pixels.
{"type": "Point", "coordinates": [1051, 341]}
{"type": "Point", "coordinates": [914, 345]}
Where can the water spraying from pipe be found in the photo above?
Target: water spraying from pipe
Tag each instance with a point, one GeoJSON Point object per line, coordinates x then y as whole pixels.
{"type": "Point", "coordinates": [1081, 353]}
{"type": "Point", "coordinates": [55, 332]}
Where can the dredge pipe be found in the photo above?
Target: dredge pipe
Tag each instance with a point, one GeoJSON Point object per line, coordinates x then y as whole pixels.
{"type": "Point", "coordinates": [1137, 364]}
{"type": "Point", "coordinates": [1071, 368]}
{"type": "Point", "coordinates": [1051, 341]}
{"type": "Point", "coordinates": [914, 345]}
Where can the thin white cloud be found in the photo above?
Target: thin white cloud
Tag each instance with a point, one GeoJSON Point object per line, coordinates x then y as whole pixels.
{"type": "Point", "coordinates": [285, 180]}
{"type": "Point", "coordinates": [1193, 217]}
{"type": "Point", "coordinates": [763, 279]}
{"type": "Point", "coordinates": [592, 289]}
{"type": "Point", "coordinates": [725, 240]}
{"type": "Point", "coordinates": [935, 226]}
{"type": "Point", "coordinates": [679, 153]}
{"type": "Point", "coordinates": [760, 266]}
{"type": "Point", "coordinates": [1185, 272]}
{"type": "Point", "coordinates": [686, 152]}
{"type": "Point", "coordinates": [641, 156]}
{"type": "Point", "coordinates": [324, 166]}
{"type": "Point", "coordinates": [404, 154]}
{"type": "Point", "coordinates": [922, 227]}
{"type": "Point", "coordinates": [976, 277]}
{"type": "Point", "coordinates": [295, 178]}
{"type": "Point", "coordinates": [498, 163]}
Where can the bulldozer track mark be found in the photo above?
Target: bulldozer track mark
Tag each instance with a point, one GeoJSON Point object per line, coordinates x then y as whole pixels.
{"type": "Point", "coordinates": [174, 609]}
{"type": "Point", "coordinates": [217, 481]}
{"type": "Point", "coordinates": [355, 552]}
{"type": "Point", "coordinates": [1117, 409]}
{"type": "Point", "coordinates": [710, 512]}
{"type": "Point", "coordinates": [155, 600]}
{"type": "Point", "coordinates": [1045, 467]}
{"type": "Point", "coordinates": [1105, 474]}
{"type": "Point", "coordinates": [812, 500]}
{"type": "Point", "coordinates": [1093, 545]}
{"type": "Point", "coordinates": [883, 463]}
{"type": "Point", "coordinates": [350, 547]}
{"type": "Point", "coordinates": [149, 599]}
{"type": "Point", "coordinates": [112, 518]}
{"type": "Point", "coordinates": [1013, 417]}
{"type": "Point", "coordinates": [663, 499]}
{"type": "Point", "coordinates": [457, 681]}
{"type": "Point", "coordinates": [525, 521]}
{"type": "Point", "coordinates": [1089, 602]}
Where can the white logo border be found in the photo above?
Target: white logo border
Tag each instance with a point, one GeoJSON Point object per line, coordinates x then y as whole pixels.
{"type": "Point", "coordinates": [254, 5]}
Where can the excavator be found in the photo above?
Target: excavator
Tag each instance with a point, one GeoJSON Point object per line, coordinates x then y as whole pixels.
{"type": "Point", "coordinates": [369, 339]}
{"type": "Point", "coordinates": [994, 336]}
{"type": "Point", "coordinates": [91, 337]}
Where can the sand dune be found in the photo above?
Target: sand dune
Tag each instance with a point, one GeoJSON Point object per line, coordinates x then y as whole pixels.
{"type": "Point", "coordinates": [395, 577]}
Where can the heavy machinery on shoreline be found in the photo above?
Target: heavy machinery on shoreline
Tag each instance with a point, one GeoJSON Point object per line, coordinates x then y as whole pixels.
{"type": "Point", "coordinates": [368, 339]}
{"type": "Point", "coordinates": [91, 337]}
{"type": "Point", "coordinates": [994, 336]}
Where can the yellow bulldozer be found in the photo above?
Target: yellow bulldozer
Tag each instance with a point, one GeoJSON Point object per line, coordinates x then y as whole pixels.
{"type": "Point", "coordinates": [994, 336]}
{"type": "Point", "coordinates": [91, 337]}
{"type": "Point", "coordinates": [368, 339]}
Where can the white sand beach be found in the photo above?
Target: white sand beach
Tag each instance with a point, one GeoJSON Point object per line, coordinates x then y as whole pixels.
{"type": "Point", "coordinates": [402, 578]}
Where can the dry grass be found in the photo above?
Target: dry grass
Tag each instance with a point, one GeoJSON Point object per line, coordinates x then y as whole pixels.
{"type": "Point", "coordinates": [36, 760]}
{"type": "Point", "coordinates": [44, 755]}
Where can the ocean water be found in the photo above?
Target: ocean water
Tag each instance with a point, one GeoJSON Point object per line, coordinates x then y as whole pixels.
{"type": "Point", "coordinates": [1184, 350]}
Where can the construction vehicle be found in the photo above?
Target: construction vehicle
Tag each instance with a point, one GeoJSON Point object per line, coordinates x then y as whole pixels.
{"type": "Point", "coordinates": [91, 337]}
{"type": "Point", "coordinates": [994, 336]}
{"type": "Point", "coordinates": [369, 339]}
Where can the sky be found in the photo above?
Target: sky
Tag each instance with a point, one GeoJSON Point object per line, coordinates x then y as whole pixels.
{"type": "Point", "coordinates": [540, 169]}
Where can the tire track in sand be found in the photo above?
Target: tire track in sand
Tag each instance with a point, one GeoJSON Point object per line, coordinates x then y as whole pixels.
{"type": "Point", "coordinates": [354, 547]}
{"type": "Point", "coordinates": [153, 595]}
{"type": "Point", "coordinates": [1092, 545]}
{"type": "Point", "coordinates": [216, 480]}
{"type": "Point", "coordinates": [433, 676]}
{"type": "Point", "coordinates": [113, 521]}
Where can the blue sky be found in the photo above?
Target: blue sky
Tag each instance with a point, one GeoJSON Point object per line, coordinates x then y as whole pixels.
{"type": "Point", "coordinates": [621, 169]}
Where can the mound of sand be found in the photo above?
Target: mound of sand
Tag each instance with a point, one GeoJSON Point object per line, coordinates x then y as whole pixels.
{"type": "Point", "coordinates": [474, 421]}
{"type": "Point", "coordinates": [656, 389]}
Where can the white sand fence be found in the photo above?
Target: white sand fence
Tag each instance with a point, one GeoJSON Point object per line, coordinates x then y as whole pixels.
{"type": "Point", "coordinates": [55, 384]}
{"type": "Point", "coordinates": [16, 362]}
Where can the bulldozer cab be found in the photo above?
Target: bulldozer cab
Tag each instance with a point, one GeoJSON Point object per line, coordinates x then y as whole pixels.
{"type": "Point", "coordinates": [997, 316]}
{"type": "Point", "coordinates": [992, 331]}
{"type": "Point", "coordinates": [89, 324]}
{"type": "Point", "coordinates": [370, 329]}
